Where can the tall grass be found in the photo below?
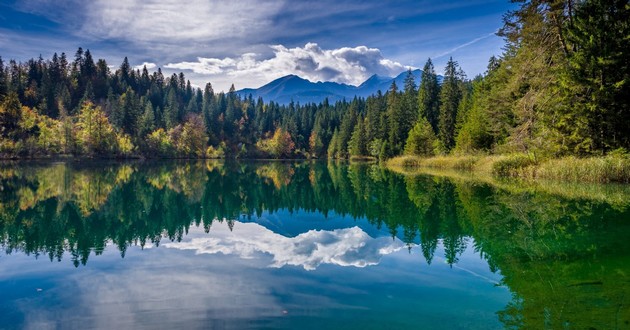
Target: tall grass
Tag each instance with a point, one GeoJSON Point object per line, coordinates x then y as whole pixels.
{"type": "Point", "coordinates": [597, 169]}
{"type": "Point", "coordinates": [512, 165]}
{"type": "Point", "coordinates": [607, 169]}
{"type": "Point", "coordinates": [617, 195]}
{"type": "Point", "coordinates": [443, 162]}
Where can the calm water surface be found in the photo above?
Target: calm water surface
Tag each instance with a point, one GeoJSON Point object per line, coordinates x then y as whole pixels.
{"type": "Point", "coordinates": [305, 246]}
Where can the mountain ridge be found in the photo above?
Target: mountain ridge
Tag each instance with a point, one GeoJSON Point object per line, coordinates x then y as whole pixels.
{"type": "Point", "coordinates": [292, 88]}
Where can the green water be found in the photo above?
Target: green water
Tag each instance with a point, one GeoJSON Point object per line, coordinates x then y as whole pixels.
{"type": "Point", "coordinates": [305, 246]}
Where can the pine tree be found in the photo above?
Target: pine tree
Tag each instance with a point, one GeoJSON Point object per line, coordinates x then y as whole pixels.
{"type": "Point", "coordinates": [3, 80]}
{"type": "Point", "coordinates": [147, 121]}
{"type": "Point", "coordinates": [395, 118]}
{"type": "Point", "coordinates": [450, 97]}
{"type": "Point", "coordinates": [358, 142]}
{"type": "Point", "coordinates": [429, 95]}
{"type": "Point", "coordinates": [131, 111]}
{"type": "Point", "coordinates": [421, 139]}
{"type": "Point", "coordinates": [346, 127]}
{"type": "Point", "coordinates": [409, 105]}
{"type": "Point", "coordinates": [10, 115]}
{"type": "Point", "coordinates": [332, 146]}
{"type": "Point", "coordinates": [598, 79]}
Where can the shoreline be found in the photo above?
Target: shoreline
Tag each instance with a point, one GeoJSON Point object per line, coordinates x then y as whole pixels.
{"type": "Point", "coordinates": [602, 169]}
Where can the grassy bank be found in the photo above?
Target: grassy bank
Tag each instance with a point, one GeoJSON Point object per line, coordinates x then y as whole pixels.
{"type": "Point", "coordinates": [614, 194]}
{"type": "Point", "coordinates": [607, 169]}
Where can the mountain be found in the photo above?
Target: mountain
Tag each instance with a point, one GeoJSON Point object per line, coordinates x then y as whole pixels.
{"type": "Point", "coordinates": [293, 88]}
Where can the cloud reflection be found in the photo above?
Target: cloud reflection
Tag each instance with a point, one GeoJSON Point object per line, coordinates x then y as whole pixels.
{"type": "Point", "coordinates": [342, 247]}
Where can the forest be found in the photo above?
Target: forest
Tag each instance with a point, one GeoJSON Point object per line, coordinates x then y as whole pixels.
{"type": "Point", "coordinates": [561, 87]}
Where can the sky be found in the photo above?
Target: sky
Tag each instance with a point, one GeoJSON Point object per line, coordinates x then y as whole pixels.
{"type": "Point", "coordinates": [249, 43]}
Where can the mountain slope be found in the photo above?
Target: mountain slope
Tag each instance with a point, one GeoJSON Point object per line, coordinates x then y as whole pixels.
{"type": "Point", "coordinates": [293, 88]}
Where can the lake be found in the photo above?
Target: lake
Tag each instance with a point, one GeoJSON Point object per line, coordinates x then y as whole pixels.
{"type": "Point", "coordinates": [307, 245]}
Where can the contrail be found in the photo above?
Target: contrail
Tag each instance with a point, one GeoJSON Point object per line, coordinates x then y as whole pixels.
{"type": "Point", "coordinates": [464, 45]}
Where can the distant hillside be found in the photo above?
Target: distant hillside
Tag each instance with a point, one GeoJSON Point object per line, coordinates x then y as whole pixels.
{"type": "Point", "coordinates": [293, 88]}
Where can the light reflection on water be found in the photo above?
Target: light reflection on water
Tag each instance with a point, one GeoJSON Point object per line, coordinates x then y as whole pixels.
{"type": "Point", "coordinates": [304, 245]}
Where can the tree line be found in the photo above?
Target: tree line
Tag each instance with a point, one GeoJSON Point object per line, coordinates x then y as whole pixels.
{"type": "Point", "coordinates": [561, 87]}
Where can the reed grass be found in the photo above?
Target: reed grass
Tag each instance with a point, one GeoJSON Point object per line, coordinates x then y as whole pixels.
{"type": "Point", "coordinates": [362, 159]}
{"type": "Point", "coordinates": [442, 162]}
{"type": "Point", "coordinates": [605, 169]}
{"type": "Point", "coordinates": [597, 169]}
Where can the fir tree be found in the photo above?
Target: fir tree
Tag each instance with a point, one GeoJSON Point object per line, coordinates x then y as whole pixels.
{"type": "Point", "coordinates": [450, 96]}
{"type": "Point", "coordinates": [429, 95]}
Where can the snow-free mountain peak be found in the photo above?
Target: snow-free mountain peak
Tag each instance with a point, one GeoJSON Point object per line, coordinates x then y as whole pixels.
{"type": "Point", "coordinates": [293, 88]}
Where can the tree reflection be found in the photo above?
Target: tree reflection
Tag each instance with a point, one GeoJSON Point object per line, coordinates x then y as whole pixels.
{"type": "Point", "coordinates": [566, 260]}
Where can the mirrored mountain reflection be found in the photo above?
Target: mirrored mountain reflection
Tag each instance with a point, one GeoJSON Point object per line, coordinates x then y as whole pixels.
{"type": "Point", "coordinates": [565, 260]}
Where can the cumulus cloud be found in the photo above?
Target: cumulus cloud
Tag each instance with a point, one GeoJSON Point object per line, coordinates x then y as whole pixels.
{"type": "Point", "coordinates": [149, 66]}
{"type": "Point", "coordinates": [344, 65]}
{"type": "Point", "coordinates": [342, 247]}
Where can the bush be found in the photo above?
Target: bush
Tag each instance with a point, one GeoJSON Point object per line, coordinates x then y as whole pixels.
{"type": "Point", "coordinates": [213, 153]}
{"type": "Point", "coordinates": [159, 143]}
{"type": "Point", "coordinates": [125, 147]}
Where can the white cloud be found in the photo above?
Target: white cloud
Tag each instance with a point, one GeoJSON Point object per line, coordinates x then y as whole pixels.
{"type": "Point", "coordinates": [173, 20]}
{"type": "Point", "coordinates": [344, 65]}
{"type": "Point", "coordinates": [342, 247]}
{"type": "Point", "coordinates": [149, 66]}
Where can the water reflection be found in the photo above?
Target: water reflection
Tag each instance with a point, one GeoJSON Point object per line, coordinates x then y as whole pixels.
{"type": "Point", "coordinates": [566, 260]}
{"type": "Point", "coordinates": [341, 247]}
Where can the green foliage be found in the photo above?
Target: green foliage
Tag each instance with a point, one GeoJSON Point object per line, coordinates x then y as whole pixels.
{"type": "Point", "coordinates": [147, 121]}
{"type": "Point", "coordinates": [450, 96]}
{"type": "Point", "coordinates": [375, 147]}
{"type": "Point", "coordinates": [395, 119]}
{"type": "Point", "coordinates": [560, 88]}
{"type": "Point", "coordinates": [429, 95]}
{"type": "Point", "coordinates": [475, 134]}
{"type": "Point", "coordinates": [421, 139]}
{"type": "Point", "coordinates": [597, 83]}
{"type": "Point", "coordinates": [358, 142]}
{"type": "Point", "coordinates": [10, 115]}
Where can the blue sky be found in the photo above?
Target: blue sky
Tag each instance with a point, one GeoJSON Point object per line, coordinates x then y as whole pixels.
{"type": "Point", "coordinates": [249, 43]}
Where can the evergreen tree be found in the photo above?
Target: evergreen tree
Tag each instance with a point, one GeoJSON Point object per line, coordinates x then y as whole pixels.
{"type": "Point", "coordinates": [409, 105]}
{"type": "Point", "coordinates": [334, 143]}
{"type": "Point", "coordinates": [3, 80]}
{"type": "Point", "coordinates": [421, 139]}
{"type": "Point", "coordinates": [346, 127]}
{"type": "Point", "coordinates": [598, 79]}
{"type": "Point", "coordinates": [429, 95]}
{"type": "Point", "coordinates": [131, 112]}
{"type": "Point", "coordinates": [10, 115]}
{"type": "Point", "coordinates": [450, 97]}
{"type": "Point", "coordinates": [358, 142]}
{"type": "Point", "coordinates": [147, 121]}
{"type": "Point", "coordinates": [396, 119]}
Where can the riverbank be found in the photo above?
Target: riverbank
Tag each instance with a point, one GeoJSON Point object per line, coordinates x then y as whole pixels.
{"type": "Point", "coordinates": [607, 169]}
